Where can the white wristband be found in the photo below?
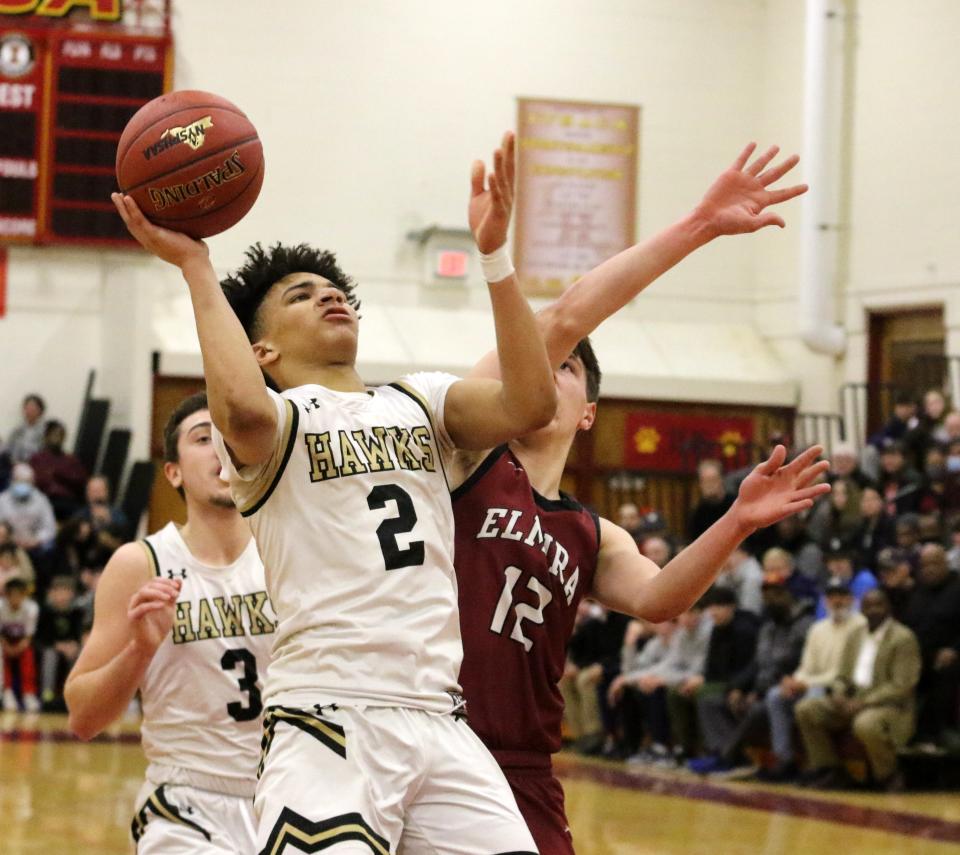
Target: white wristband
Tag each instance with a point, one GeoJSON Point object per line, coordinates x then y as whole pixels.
{"type": "Point", "coordinates": [496, 266]}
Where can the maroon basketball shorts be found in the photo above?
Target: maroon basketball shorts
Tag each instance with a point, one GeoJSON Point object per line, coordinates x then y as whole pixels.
{"type": "Point", "coordinates": [539, 796]}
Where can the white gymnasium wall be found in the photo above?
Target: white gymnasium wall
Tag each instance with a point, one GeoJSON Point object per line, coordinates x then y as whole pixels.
{"type": "Point", "coordinates": [371, 113]}
{"type": "Point", "coordinates": [902, 247]}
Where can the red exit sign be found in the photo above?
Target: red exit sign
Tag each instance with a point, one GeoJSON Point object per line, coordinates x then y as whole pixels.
{"type": "Point", "coordinates": [451, 264]}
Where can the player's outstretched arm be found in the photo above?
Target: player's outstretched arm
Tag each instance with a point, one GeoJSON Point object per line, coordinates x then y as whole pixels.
{"type": "Point", "coordinates": [239, 404]}
{"type": "Point", "coordinates": [133, 613]}
{"type": "Point", "coordinates": [628, 582]}
{"type": "Point", "coordinates": [481, 413]}
{"type": "Point", "coordinates": [740, 201]}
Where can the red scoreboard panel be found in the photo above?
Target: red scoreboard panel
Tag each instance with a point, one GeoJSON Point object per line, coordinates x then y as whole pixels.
{"type": "Point", "coordinates": [68, 86]}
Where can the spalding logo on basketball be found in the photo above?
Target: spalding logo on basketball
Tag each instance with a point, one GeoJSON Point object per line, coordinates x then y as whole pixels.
{"type": "Point", "coordinates": [192, 161]}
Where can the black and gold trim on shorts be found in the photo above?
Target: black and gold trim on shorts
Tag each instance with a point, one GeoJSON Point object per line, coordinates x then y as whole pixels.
{"type": "Point", "coordinates": [417, 398]}
{"type": "Point", "coordinates": [151, 556]}
{"type": "Point", "coordinates": [158, 805]}
{"type": "Point", "coordinates": [304, 835]}
{"type": "Point", "coordinates": [292, 423]}
{"type": "Point", "coordinates": [326, 732]}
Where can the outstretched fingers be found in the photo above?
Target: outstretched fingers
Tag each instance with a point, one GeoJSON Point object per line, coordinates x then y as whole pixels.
{"type": "Point", "coordinates": [509, 146]}
{"type": "Point", "coordinates": [809, 475]}
{"type": "Point", "coordinates": [775, 197]}
{"type": "Point", "coordinates": [804, 459]}
{"type": "Point", "coordinates": [773, 462]}
{"type": "Point", "coordinates": [743, 157]}
{"type": "Point", "coordinates": [809, 493]}
{"type": "Point", "coordinates": [477, 172]}
{"type": "Point", "coordinates": [761, 162]}
{"type": "Point", "coordinates": [777, 172]}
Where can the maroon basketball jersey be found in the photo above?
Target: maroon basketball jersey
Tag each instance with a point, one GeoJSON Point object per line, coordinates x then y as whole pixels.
{"type": "Point", "coordinates": [523, 564]}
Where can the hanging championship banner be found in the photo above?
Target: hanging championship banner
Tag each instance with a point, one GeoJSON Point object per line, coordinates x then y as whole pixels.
{"type": "Point", "coordinates": [576, 189]}
{"type": "Point", "coordinates": [670, 442]}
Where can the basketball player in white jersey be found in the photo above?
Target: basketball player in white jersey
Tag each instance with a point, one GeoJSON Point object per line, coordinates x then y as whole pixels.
{"type": "Point", "coordinates": [184, 617]}
{"type": "Point", "coordinates": [345, 487]}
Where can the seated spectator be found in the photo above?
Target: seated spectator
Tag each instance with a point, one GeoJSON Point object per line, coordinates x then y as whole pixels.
{"type": "Point", "coordinates": [89, 579]}
{"type": "Point", "coordinates": [895, 573]}
{"type": "Point", "coordinates": [906, 536]}
{"type": "Point", "coordinates": [658, 550]}
{"type": "Point", "coordinates": [933, 613]}
{"type": "Point", "coordinates": [593, 650]}
{"type": "Point", "coordinates": [18, 624]}
{"type": "Point", "coordinates": [678, 675]}
{"type": "Point", "coordinates": [641, 522]}
{"type": "Point", "coordinates": [836, 518]}
{"type": "Point", "coordinates": [930, 528]}
{"type": "Point", "coordinates": [727, 721]}
{"type": "Point", "coordinates": [59, 630]}
{"type": "Point", "coordinates": [730, 649]}
{"type": "Point", "coordinates": [791, 535]}
{"type": "Point", "coordinates": [949, 431]}
{"type": "Point", "coordinates": [953, 555]}
{"type": "Point", "coordinates": [28, 512]}
{"type": "Point", "coordinates": [714, 502]}
{"type": "Point", "coordinates": [876, 529]}
{"type": "Point", "coordinates": [26, 439]}
{"type": "Point", "coordinates": [841, 568]}
{"type": "Point", "coordinates": [844, 466]}
{"type": "Point", "coordinates": [904, 418]}
{"type": "Point", "coordinates": [59, 475]}
{"type": "Point", "coordinates": [108, 523]}
{"type": "Point", "coordinates": [929, 422]}
{"type": "Point", "coordinates": [743, 575]}
{"type": "Point", "coordinates": [778, 563]}
{"type": "Point", "coordinates": [640, 656]}
{"type": "Point", "coordinates": [899, 482]}
{"type": "Point", "coordinates": [873, 697]}
{"type": "Point", "coordinates": [819, 667]}
{"type": "Point", "coordinates": [14, 559]}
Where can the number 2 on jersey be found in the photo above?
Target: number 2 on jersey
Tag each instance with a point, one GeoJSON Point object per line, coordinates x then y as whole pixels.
{"type": "Point", "coordinates": [393, 556]}
{"type": "Point", "coordinates": [521, 610]}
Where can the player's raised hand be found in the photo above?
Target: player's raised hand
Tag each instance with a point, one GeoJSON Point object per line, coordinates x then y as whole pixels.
{"type": "Point", "coordinates": [151, 611]}
{"type": "Point", "coordinates": [737, 201]}
{"type": "Point", "coordinates": [491, 197]}
{"type": "Point", "coordinates": [774, 491]}
{"type": "Point", "coordinates": [173, 247]}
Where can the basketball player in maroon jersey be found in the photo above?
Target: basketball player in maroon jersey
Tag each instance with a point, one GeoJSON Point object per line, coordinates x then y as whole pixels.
{"type": "Point", "coordinates": [527, 554]}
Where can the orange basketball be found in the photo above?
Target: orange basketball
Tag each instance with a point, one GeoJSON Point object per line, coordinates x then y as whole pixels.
{"type": "Point", "coordinates": [192, 161]}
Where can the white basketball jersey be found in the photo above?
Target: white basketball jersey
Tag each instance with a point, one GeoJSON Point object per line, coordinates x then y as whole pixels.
{"type": "Point", "coordinates": [353, 519]}
{"type": "Point", "coordinates": [201, 694]}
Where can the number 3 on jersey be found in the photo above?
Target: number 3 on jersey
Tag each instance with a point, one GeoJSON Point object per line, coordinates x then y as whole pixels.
{"type": "Point", "coordinates": [393, 556]}
{"type": "Point", "coordinates": [521, 610]}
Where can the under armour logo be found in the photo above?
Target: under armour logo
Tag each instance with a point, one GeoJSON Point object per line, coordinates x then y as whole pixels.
{"type": "Point", "coordinates": [182, 573]}
{"type": "Point", "coordinates": [313, 404]}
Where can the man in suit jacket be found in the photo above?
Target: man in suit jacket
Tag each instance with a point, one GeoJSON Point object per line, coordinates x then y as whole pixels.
{"type": "Point", "coordinates": [873, 696]}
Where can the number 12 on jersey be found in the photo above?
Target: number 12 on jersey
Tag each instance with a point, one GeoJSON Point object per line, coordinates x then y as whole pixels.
{"type": "Point", "coordinates": [523, 611]}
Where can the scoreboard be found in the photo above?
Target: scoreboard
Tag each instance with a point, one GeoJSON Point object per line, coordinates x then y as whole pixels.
{"type": "Point", "coordinates": [69, 82]}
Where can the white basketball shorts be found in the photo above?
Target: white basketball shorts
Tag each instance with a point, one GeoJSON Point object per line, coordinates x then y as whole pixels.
{"type": "Point", "coordinates": [382, 780]}
{"type": "Point", "coordinates": [175, 819]}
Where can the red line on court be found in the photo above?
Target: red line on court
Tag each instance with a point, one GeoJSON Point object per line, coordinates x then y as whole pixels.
{"type": "Point", "coordinates": [791, 804]}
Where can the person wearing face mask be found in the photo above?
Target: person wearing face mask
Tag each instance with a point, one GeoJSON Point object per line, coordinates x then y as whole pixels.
{"type": "Point", "coordinates": [29, 513]}
{"type": "Point", "coordinates": [873, 697]}
{"type": "Point", "coordinates": [819, 666]}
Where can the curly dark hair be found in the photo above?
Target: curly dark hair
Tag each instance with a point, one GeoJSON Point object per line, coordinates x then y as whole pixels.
{"type": "Point", "coordinates": [584, 352]}
{"type": "Point", "coordinates": [246, 289]}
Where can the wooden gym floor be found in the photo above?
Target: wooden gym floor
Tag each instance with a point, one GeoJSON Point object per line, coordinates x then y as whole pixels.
{"type": "Point", "coordinates": [61, 796]}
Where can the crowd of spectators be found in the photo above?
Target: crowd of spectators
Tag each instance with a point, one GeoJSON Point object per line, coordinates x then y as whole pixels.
{"type": "Point", "coordinates": [58, 529]}
{"type": "Point", "coordinates": [829, 636]}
